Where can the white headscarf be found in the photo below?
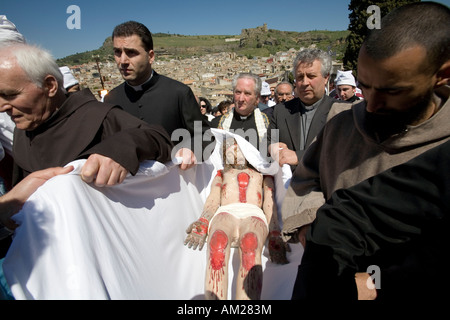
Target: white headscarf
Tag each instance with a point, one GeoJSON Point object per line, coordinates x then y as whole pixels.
{"type": "Point", "coordinates": [9, 32]}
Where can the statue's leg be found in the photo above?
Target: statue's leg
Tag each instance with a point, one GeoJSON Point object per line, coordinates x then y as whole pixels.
{"type": "Point", "coordinates": [221, 234]}
{"type": "Point", "coordinates": [253, 233]}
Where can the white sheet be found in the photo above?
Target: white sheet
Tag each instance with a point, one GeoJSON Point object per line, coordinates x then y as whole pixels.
{"type": "Point", "coordinates": [76, 241]}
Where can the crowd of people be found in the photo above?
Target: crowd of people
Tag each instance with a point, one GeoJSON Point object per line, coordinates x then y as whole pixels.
{"type": "Point", "coordinates": [369, 159]}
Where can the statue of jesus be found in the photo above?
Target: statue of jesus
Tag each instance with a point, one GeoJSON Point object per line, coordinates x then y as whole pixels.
{"type": "Point", "coordinates": [240, 212]}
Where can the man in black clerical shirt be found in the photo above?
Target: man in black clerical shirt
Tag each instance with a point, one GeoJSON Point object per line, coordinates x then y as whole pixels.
{"type": "Point", "coordinates": [298, 121]}
{"type": "Point", "coordinates": [152, 97]}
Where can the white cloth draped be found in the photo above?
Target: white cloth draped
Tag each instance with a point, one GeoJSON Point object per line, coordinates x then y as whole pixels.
{"type": "Point", "coordinates": [76, 241]}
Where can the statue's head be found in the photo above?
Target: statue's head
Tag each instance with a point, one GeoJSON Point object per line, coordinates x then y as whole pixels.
{"type": "Point", "coordinates": [233, 156]}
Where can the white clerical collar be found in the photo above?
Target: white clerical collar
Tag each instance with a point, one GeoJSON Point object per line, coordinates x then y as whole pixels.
{"type": "Point", "coordinates": [139, 87]}
{"type": "Point", "coordinates": [243, 118]}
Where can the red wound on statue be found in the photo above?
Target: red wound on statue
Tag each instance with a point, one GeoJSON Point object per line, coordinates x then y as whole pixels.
{"type": "Point", "coordinates": [243, 179]}
{"type": "Point", "coordinates": [217, 244]}
{"type": "Point", "coordinates": [202, 228]}
{"type": "Point", "coordinates": [249, 244]}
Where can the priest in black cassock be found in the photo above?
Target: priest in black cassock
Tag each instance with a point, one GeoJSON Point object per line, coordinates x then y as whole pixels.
{"type": "Point", "coordinates": [155, 98]}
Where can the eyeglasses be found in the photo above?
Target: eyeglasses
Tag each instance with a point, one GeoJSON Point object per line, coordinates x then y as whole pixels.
{"type": "Point", "coordinates": [203, 106]}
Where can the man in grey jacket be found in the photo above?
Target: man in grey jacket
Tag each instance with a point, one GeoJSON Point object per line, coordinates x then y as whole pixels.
{"type": "Point", "coordinates": [299, 120]}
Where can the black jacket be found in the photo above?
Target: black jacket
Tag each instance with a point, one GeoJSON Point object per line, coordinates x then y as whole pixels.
{"type": "Point", "coordinates": [286, 117]}
{"type": "Point", "coordinates": [162, 101]}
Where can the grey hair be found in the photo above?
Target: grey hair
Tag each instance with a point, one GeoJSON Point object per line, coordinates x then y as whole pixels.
{"type": "Point", "coordinates": [254, 77]}
{"type": "Point", "coordinates": [284, 82]}
{"type": "Point", "coordinates": [311, 55]}
{"type": "Point", "coordinates": [37, 63]}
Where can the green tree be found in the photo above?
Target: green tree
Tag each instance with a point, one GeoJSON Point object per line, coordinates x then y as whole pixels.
{"type": "Point", "coordinates": [358, 26]}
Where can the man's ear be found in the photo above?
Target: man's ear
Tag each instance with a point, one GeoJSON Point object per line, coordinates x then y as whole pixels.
{"type": "Point", "coordinates": [50, 85]}
{"type": "Point", "coordinates": [151, 56]}
{"type": "Point", "coordinates": [443, 75]}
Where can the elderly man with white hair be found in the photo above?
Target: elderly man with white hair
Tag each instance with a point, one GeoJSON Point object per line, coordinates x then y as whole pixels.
{"type": "Point", "coordinates": [53, 128]}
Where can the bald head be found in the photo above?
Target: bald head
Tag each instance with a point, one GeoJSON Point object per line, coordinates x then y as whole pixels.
{"type": "Point", "coordinates": [424, 24]}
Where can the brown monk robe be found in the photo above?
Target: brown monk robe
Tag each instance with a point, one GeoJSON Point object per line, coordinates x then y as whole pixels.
{"type": "Point", "coordinates": [240, 212]}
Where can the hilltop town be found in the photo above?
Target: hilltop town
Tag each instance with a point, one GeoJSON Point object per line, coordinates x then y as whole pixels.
{"type": "Point", "coordinates": [208, 74]}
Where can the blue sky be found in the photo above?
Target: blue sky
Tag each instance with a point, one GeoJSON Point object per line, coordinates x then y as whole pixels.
{"type": "Point", "coordinates": [44, 22]}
